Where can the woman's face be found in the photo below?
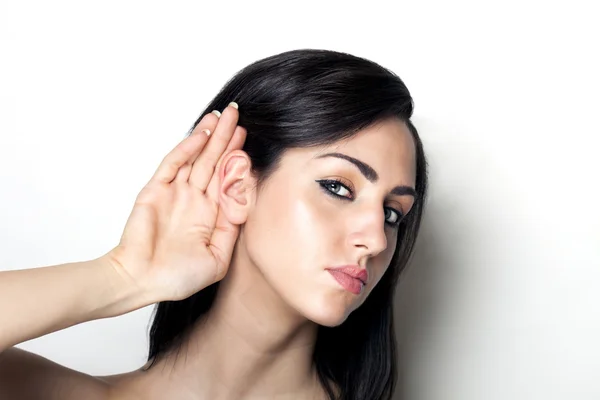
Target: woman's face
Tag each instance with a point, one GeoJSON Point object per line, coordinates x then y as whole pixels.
{"type": "Point", "coordinates": [320, 211]}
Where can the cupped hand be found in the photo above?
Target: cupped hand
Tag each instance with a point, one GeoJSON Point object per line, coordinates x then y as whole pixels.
{"type": "Point", "coordinates": [176, 241]}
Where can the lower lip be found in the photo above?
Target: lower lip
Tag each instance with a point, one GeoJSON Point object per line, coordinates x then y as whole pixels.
{"type": "Point", "coordinates": [349, 283]}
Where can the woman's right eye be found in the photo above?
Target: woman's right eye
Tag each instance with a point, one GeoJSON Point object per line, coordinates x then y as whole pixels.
{"type": "Point", "coordinates": [336, 188]}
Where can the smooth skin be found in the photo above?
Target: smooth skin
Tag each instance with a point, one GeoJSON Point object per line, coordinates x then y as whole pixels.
{"type": "Point", "coordinates": [168, 251]}
{"type": "Point", "coordinates": [176, 241]}
{"type": "Point", "coordinates": [256, 341]}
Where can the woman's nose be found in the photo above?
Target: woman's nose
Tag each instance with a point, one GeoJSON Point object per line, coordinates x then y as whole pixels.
{"type": "Point", "coordinates": [369, 232]}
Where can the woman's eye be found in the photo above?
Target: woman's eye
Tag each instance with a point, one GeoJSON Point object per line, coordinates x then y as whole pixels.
{"type": "Point", "coordinates": [337, 188]}
{"type": "Point", "coordinates": [394, 217]}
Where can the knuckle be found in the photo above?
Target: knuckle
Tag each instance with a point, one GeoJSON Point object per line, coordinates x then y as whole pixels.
{"type": "Point", "coordinates": [186, 151]}
{"type": "Point", "coordinates": [150, 194]}
{"type": "Point", "coordinates": [172, 167]}
{"type": "Point", "coordinates": [146, 197]}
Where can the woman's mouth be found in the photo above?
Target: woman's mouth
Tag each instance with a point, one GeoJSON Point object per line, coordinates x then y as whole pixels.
{"type": "Point", "coordinates": [353, 285]}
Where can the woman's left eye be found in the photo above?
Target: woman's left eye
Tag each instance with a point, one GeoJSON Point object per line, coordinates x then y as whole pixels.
{"type": "Point", "coordinates": [337, 189]}
{"type": "Point", "coordinates": [396, 217]}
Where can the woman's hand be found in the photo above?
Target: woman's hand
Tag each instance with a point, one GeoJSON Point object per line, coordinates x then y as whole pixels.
{"type": "Point", "coordinates": [176, 241]}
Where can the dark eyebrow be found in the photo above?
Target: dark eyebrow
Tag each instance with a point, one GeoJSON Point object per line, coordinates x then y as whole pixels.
{"type": "Point", "coordinates": [369, 173]}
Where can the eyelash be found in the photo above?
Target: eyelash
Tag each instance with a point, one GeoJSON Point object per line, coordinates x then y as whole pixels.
{"type": "Point", "coordinates": [326, 182]}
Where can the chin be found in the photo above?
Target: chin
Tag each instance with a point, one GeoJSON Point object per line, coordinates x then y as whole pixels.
{"type": "Point", "coordinates": [327, 313]}
{"type": "Point", "coordinates": [330, 321]}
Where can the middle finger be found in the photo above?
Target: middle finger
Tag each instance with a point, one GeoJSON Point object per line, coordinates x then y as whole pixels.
{"type": "Point", "coordinates": [209, 121]}
{"type": "Point", "coordinates": [204, 165]}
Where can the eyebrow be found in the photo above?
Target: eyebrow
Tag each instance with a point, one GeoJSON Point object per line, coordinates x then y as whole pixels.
{"type": "Point", "coordinates": [369, 173]}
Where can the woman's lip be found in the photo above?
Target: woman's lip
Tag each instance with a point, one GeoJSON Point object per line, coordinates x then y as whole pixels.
{"type": "Point", "coordinates": [354, 271]}
{"type": "Point", "coordinates": [353, 285]}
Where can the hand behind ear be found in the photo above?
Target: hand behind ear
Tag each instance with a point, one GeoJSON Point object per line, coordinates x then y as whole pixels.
{"type": "Point", "coordinates": [176, 241]}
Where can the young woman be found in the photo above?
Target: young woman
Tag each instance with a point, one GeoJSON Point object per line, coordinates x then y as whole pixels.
{"type": "Point", "coordinates": [271, 237]}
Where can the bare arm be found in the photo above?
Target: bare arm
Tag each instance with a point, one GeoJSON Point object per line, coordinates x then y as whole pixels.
{"type": "Point", "coordinates": [174, 244]}
{"type": "Point", "coordinates": [38, 301]}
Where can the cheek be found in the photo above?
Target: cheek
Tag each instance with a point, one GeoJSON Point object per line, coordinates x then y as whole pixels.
{"type": "Point", "coordinates": [284, 234]}
{"type": "Point", "coordinates": [291, 237]}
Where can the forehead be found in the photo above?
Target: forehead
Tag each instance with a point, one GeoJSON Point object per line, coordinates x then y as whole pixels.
{"type": "Point", "coordinates": [387, 146]}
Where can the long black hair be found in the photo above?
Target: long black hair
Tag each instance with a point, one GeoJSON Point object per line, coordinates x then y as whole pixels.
{"type": "Point", "coordinates": [305, 98]}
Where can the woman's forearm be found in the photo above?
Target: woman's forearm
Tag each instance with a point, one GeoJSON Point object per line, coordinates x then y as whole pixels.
{"type": "Point", "coordinates": [38, 301]}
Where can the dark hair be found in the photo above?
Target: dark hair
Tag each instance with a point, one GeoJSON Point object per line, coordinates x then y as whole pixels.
{"type": "Point", "coordinates": [306, 98]}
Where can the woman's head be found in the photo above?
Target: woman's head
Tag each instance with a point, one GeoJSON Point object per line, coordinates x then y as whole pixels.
{"type": "Point", "coordinates": [310, 115]}
{"type": "Point", "coordinates": [323, 207]}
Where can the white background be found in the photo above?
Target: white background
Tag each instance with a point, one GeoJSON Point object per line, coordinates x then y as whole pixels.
{"type": "Point", "coordinates": [502, 300]}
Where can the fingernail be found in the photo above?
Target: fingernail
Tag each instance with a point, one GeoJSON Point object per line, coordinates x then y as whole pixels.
{"type": "Point", "coordinates": [234, 105]}
{"type": "Point", "coordinates": [207, 131]}
{"type": "Point", "coordinates": [217, 113]}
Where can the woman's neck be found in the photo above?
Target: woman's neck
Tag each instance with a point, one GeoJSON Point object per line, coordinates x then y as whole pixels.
{"type": "Point", "coordinates": [250, 344]}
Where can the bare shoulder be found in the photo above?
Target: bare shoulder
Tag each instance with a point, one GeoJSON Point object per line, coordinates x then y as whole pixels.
{"type": "Point", "coordinates": [28, 376]}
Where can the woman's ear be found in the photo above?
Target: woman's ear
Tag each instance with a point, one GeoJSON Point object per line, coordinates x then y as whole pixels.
{"type": "Point", "coordinates": [236, 187]}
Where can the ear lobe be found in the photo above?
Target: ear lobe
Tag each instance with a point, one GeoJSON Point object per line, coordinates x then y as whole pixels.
{"type": "Point", "coordinates": [235, 188]}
